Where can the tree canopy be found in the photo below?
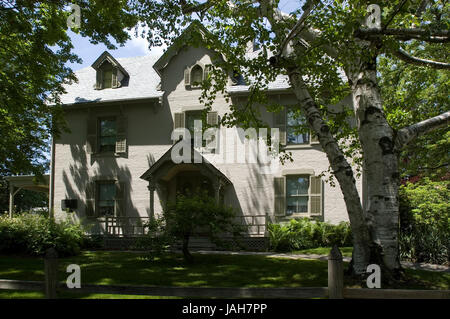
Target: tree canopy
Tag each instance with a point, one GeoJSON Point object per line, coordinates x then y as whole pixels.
{"type": "Point", "coordinates": [34, 50]}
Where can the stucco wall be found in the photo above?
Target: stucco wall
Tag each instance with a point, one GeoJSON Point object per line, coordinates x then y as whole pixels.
{"type": "Point", "coordinates": [148, 138]}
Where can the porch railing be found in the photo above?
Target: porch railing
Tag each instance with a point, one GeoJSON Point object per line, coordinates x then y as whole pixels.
{"type": "Point", "coordinates": [135, 226]}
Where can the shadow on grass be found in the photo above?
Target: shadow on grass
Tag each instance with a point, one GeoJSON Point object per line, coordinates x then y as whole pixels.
{"type": "Point", "coordinates": [128, 268]}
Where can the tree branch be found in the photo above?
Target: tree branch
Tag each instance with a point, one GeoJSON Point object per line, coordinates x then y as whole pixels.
{"type": "Point", "coordinates": [406, 34]}
{"type": "Point", "coordinates": [396, 11]}
{"type": "Point", "coordinates": [409, 133]}
{"type": "Point", "coordinates": [188, 9]}
{"type": "Point", "coordinates": [402, 55]}
{"type": "Point", "coordinates": [421, 8]}
{"type": "Point", "coordinates": [309, 6]}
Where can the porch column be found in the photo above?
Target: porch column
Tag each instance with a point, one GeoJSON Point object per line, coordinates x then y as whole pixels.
{"type": "Point", "coordinates": [151, 187]}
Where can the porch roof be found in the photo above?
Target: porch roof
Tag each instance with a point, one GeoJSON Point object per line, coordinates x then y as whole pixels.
{"type": "Point", "coordinates": [29, 182]}
{"type": "Point", "coordinates": [152, 172]}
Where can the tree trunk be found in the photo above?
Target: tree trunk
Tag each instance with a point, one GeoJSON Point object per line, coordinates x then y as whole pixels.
{"type": "Point", "coordinates": [380, 160]}
{"type": "Point", "coordinates": [342, 171]}
{"type": "Point", "coordinates": [186, 254]}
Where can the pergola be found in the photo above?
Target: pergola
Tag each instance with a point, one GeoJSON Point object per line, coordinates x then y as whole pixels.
{"type": "Point", "coordinates": [29, 182]}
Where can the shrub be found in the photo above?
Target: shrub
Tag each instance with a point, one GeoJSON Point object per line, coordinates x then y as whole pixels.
{"type": "Point", "coordinates": [304, 234]}
{"type": "Point", "coordinates": [33, 234]}
{"type": "Point", "coordinates": [196, 214]}
{"type": "Point", "coordinates": [425, 221]}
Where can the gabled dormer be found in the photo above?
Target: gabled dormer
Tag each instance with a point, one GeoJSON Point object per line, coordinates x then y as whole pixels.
{"type": "Point", "coordinates": [110, 74]}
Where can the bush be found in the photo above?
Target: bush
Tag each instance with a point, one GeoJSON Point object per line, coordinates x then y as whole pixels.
{"type": "Point", "coordinates": [195, 214]}
{"type": "Point", "coordinates": [304, 234]}
{"type": "Point", "coordinates": [425, 221]}
{"type": "Point", "coordinates": [33, 234]}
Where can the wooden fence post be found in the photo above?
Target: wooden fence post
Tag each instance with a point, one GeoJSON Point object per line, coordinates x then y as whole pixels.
{"type": "Point", "coordinates": [335, 274]}
{"type": "Point", "coordinates": [51, 273]}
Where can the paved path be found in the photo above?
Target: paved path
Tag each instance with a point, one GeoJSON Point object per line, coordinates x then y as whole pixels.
{"type": "Point", "coordinates": [406, 264]}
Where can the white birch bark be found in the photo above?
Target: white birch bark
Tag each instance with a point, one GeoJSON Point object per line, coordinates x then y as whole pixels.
{"type": "Point", "coordinates": [380, 160]}
{"type": "Point", "coordinates": [342, 171]}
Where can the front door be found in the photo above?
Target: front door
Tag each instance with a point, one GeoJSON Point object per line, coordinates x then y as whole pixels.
{"type": "Point", "coordinates": [193, 182]}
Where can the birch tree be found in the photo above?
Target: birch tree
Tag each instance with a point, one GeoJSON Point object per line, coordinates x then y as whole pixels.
{"type": "Point", "coordinates": [328, 49]}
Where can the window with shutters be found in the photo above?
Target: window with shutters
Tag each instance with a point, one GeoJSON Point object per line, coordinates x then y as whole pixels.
{"type": "Point", "coordinates": [107, 134]}
{"type": "Point", "coordinates": [291, 125]}
{"type": "Point", "coordinates": [298, 194]}
{"type": "Point", "coordinates": [195, 75]}
{"type": "Point", "coordinates": [186, 120]}
{"type": "Point", "coordinates": [106, 198]}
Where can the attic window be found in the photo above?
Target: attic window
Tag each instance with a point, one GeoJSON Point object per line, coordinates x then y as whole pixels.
{"type": "Point", "coordinates": [110, 74]}
{"type": "Point", "coordinates": [107, 76]}
{"type": "Point", "coordinates": [194, 76]}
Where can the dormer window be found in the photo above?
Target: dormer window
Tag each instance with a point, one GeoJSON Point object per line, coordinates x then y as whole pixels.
{"type": "Point", "coordinates": [195, 75]}
{"type": "Point", "coordinates": [110, 74]}
{"type": "Point", "coordinates": [107, 75]}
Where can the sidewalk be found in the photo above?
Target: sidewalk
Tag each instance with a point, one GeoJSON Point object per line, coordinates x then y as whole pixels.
{"type": "Point", "coordinates": [406, 264]}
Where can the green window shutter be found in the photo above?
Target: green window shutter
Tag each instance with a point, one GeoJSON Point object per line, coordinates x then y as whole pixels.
{"type": "Point", "coordinates": [314, 138]}
{"type": "Point", "coordinates": [121, 140]}
{"type": "Point", "coordinates": [99, 80]}
{"type": "Point", "coordinates": [212, 119]}
{"type": "Point", "coordinates": [316, 190]}
{"type": "Point", "coordinates": [119, 202]}
{"type": "Point", "coordinates": [279, 121]}
{"type": "Point", "coordinates": [114, 83]}
{"type": "Point", "coordinates": [90, 199]}
{"type": "Point", "coordinates": [279, 196]}
{"type": "Point", "coordinates": [91, 138]}
{"type": "Point", "coordinates": [187, 76]}
{"type": "Point", "coordinates": [179, 120]}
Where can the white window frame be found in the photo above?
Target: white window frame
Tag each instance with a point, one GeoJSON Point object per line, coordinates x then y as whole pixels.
{"type": "Point", "coordinates": [286, 196]}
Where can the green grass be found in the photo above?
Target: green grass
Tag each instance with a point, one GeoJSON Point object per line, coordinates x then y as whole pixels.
{"type": "Point", "coordinates": [346, 251]}
{"type": "Point", "coordinates": [129, 268]}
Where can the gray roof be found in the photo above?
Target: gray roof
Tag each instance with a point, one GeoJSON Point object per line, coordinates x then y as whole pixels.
{"type": "Point", "coordinates": [143, 83]}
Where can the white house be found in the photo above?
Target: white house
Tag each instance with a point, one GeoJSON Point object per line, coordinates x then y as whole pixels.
{"type": "Point", "coordinates": [114, 168]}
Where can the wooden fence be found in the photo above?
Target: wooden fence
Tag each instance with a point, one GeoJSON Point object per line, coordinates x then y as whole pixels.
{"type": "Point", "coordinates": [335, 289]}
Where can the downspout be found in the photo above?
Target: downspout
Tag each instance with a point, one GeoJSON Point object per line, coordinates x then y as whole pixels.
{"type": "Point", "coordinates": [51, 195]}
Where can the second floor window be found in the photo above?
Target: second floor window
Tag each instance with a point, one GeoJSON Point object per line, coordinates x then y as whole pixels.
{"type": "Point", "coordinates": [293, 123]}
{"type": "Point", "coordinates": [107, 134]}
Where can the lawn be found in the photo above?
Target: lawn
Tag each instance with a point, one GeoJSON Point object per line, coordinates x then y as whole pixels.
{"type": "Point", "coordinates": [346, 251]}
{"type": "Point", "coordinates": [129, 268]}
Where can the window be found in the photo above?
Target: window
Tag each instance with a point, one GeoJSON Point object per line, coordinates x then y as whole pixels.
{"type": "Point", "coordinates": [107, 134]}
{"type": "Point", "coordinates": [297, 194]}
{"type": "Point", "coordinates": [107, 75]}
{"type": "Point", "coordinates": [293, 123]}
{"type": "Point", "coordinates": [191, 117]}
{"type": "Point", "coordinates": [194, 76]}
{"type": "Point", "coordinates": [106, 198]}
{"type": "Point", "coordinates": [197, 75]}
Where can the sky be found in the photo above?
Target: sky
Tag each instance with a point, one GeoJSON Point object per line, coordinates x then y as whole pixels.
{"type": "Point", "coordinates": [89, 52]}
